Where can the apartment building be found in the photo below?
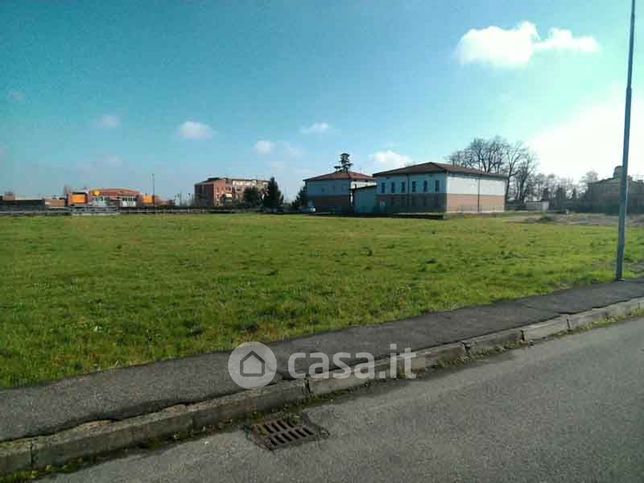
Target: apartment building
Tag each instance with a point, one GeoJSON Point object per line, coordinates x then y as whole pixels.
{"type": "Point", "coordinates": [219, 191]}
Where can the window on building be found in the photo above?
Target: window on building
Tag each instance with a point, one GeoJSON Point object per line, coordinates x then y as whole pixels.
{"type": "Point", "coordinates": [437, 185]}
{"type": "Point", "coordinates": [393, 187]}
{"type": "Point", "coordinates": [425, 186]}
{"type": "Point", "coordinates": [382, 188]}
{"type": "Point", "coordinates": [402, 187]}
{"type": "Point", "coordinates": [413, 186]}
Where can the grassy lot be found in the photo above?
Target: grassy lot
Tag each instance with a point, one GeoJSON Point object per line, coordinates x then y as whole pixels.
{"type": "Point", "coordinates": [86, 293]}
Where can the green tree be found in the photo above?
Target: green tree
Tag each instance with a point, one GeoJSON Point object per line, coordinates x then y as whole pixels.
{"type": "Point", "coordinates": [300, 200]}
{"type": "Point", "coordinates": [252, 196]}
{"type": "Point", "coordinates": [345, 163]}
{"type": "Point", "coordinates": [273, 198]}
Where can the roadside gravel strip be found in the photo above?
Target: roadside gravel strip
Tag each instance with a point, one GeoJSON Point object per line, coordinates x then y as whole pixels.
{"type": "Point", "coordinates": [87, 416]}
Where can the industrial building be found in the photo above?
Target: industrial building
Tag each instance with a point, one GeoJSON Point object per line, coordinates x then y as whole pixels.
{"type": "Point", "coordinates": [113, 197]}
{"type": "Point", "coordinates": [435, 187]}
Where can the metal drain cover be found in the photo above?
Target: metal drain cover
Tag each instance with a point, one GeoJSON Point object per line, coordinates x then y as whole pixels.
{"type": "Point", "coordinates": [282, 431]}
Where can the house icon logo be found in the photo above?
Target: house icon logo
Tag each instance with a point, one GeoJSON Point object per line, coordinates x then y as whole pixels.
{"type": "Point", "coordinates": [252, 365]}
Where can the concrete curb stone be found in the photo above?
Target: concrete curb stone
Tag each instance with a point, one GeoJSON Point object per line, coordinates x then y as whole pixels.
{"type": "Point", "coordinates": [545, 329]}
{"type": "Point", "coordinates": [15, 456]}
{"type": "Point", "coordinates": [321, 384]}
{"type": "Point", "coordinates": [216, 411]}
{"type": "Point", "coordinates": [495, 341]}
{"type": "Point", "coordinates": [585, 319]}
{"type": "Point", "coordinates": [437, 356]}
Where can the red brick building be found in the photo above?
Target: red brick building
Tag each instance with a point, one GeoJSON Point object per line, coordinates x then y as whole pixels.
{"type": "Point", "coordinates": [225, 191]}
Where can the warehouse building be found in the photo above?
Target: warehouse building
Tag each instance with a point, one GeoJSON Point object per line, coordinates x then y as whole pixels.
{"type": "Point", "coordinates": [112, 197]}
{"type": "Point", "coordinates": [439, 187]}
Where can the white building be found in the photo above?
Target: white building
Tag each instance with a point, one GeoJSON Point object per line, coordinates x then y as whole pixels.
{"type": "Point", "coordinates": [334, 191]}
{"type": "Point", "coordinates": [438, 187]}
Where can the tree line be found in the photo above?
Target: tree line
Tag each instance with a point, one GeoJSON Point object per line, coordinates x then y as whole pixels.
{"type": "Point", "coordinates": [521, 166]}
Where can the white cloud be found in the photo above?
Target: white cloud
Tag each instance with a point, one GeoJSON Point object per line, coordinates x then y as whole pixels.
{"type": "Point", "coordinates": [195, 130]}
{"type": "Point", "coordinates": [562, 39]}
{"type": "Point", "coordinates": [592, 139]}
{"type": "Point", "coordinates": [388, 159]}
{"type": "Point", "coordinates": [109, 121]}
{"type": "Point", "coordinates": [316, 128]}
{"type": "Point", "coordinates": [264, 146]}
{"type": "Point", "coordinates": [515, 47]}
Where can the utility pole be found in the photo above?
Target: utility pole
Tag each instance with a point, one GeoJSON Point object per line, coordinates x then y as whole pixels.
{"type": "Point", "coordinates": [154, 197]}
{"type": "Point", "coordinates": [623, 194]}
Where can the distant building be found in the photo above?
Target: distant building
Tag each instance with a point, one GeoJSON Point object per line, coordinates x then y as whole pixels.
{"type": "Point", "coordinates": [603, 195]}
{"type": "Point", "coordinates": [113, 197]}
{"type": "Point", "coordinates": [225, 191]}
{"type": "Point", "coordinates": [438, 187]}
{"type": "Point", "coordinates": [11, 202]}
{"type": "Point", "coordinates": [537, 205]}
{"type": "Point", "coordinates": [334, 191]}
{"type": "Point", "coordinates": [120, 197]}
{"type": "Point", "coordinates": [14, 203]}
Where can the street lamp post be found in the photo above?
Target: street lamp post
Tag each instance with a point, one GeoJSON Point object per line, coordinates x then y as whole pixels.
{"type": "Point", "coordinates": [623, 194]}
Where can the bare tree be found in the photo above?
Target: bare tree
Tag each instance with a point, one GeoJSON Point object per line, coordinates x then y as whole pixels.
{"type": "Point", "coordinates": [482, 154]}
{"type": "Point", "coordinates": [524, 178]}
{"type": "Point", "coordinates": [514, 154]}
{"type": "Point", "coordinates": [588, 178]}
{"type": "Point", "coordinates": [496, 155]}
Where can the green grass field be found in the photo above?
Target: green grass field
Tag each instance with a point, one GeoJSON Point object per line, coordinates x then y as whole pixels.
{"type": "Point", "coordinates": [81, 294]}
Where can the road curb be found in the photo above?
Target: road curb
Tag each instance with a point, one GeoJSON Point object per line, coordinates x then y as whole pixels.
{"type": "Point", "coordinates": [496, 341]}
{"type": "Point", "coordinates": [545, 329]}
{"type": "Point", "coordinates": [98, 438]}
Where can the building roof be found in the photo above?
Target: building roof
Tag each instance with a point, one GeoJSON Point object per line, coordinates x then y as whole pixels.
{"type": "Point", "coordinates": [114, 192]}
{"type": "Point", "coordinates": [432, 167]}
{"type": "Point", "coordinates": [217, 178]}
{"type": "Point", "coordinates": [339, 175]}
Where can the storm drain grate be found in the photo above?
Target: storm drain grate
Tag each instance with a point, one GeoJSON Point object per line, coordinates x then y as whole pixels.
{"type": "Point", "coordinates": [285, 431]}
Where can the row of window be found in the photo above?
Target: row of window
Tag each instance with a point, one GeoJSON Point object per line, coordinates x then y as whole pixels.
{"type": "Point", "coordinates": [403, 187]}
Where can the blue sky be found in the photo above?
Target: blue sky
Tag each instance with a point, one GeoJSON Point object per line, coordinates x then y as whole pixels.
{"type": "Point", "coordinates": [98, 93]}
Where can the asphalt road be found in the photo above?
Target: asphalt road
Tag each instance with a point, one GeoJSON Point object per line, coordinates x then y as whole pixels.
{"type": "Point", "coordinates": [570, 409]}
